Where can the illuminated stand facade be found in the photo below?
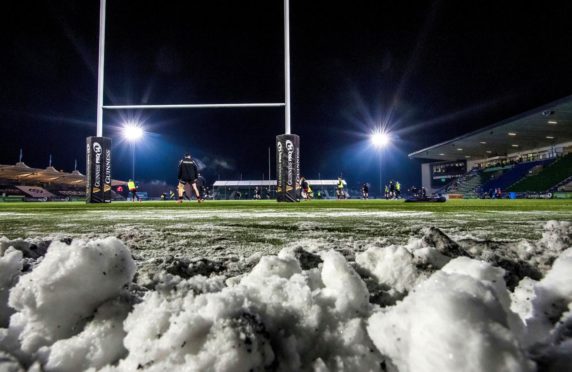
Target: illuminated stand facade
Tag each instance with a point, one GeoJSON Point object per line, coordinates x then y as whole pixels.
{"type": "Point", "coordinates": [288, 162]}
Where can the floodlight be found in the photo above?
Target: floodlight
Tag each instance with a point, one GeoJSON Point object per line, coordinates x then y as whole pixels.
{"type": "Point", "coordinates": [380, 139]}
{"type": "Point", "coordinates": [132, 132]}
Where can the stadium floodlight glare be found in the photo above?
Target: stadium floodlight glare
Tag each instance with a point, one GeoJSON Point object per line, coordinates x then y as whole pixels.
{"type": "Point", "coordinates": [132, 132]}
{"type": "Point", "coordinates": [380, 139]}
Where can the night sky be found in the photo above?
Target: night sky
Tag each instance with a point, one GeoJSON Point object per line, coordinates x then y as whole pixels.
{"type": "Point", "coordinates": [428, 70]}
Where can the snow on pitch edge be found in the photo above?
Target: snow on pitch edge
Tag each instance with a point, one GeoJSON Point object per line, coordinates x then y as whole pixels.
{"type": "Point", "coordinates": [430, 305]}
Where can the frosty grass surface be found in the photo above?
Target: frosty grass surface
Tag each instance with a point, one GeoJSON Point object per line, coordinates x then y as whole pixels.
{"type": "Point", "coordinates": [287, 290]}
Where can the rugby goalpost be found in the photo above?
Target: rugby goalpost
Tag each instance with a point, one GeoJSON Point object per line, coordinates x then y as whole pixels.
{"type": "Point", "coordinates": [98, 149]}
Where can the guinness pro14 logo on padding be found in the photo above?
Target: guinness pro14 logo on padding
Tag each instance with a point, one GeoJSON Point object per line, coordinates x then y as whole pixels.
{"type": "Point", "coordinates": [98, 170]}
{"type": "Point", "coordinates": [287, 168]}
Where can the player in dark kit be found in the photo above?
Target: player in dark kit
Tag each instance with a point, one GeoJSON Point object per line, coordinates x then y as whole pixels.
{"type": "Point", "coordinates": [257, 193]}
{"type": "Point", "coordinates": [365, 191]}
{"type": "Point", "coordinates": [188, 173]}
{"type": "Point", "coordinates": [201, 186]}
{"type": "Point", "coordinates": [306, 190]}
{"type": "Point", "coordinates": [391, 189]}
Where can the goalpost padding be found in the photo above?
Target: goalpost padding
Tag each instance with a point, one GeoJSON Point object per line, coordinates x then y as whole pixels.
{"type": "Point", "coordinates": [287, 168]}
{"type": "Point", "coordinates": [98, 187]}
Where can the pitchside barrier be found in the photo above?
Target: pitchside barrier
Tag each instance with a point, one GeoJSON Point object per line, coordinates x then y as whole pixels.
{"type": "Point", "coordinates": [455, 196]}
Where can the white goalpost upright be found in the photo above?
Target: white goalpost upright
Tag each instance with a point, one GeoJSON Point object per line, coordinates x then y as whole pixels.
{"type": "Point", "coordinates": [98, 148]}
{"type": "Point", "coordinates": [100, 68]}
{"type": "Point", "coordinates": [286, 67]}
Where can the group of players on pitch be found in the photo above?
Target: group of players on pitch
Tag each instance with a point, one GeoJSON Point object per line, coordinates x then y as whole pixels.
{"type": "Point", "coordinates": [188, 174]}
{"type": "Point", "coordinates": [308, 194]}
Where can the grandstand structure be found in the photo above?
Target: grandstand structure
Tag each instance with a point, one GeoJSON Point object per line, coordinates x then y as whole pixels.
{"type": "Point", "coordinates": [528, 155]}
{"type": "Point", "coordinates": [21, 182]}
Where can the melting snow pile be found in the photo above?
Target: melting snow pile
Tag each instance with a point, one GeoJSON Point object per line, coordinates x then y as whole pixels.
{"type": "Point", "coordinates": [433, 305]}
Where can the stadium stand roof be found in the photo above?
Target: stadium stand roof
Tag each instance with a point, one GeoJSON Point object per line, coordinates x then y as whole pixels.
{"type": "Point", "coordinates": [544, 126]}
{"type": "Point", "coordinates": [23, 174]}
{"type": "Point", "coordinates": [271, 183]}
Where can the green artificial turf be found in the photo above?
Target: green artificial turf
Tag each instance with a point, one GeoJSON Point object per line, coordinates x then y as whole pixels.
{"type": "Point", "coordinates": [449, 206]}
{"type": "Point", "coordinates": [216, 228]}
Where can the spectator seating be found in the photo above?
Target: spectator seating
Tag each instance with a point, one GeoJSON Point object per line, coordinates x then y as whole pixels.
{"type": "Point", "coordinates": [513, 175]}
{"type": "Point", "coordinates": [549, 177]}
{"type": "Point", "coordinates": [566, 186]}
{"type": "Point", "coordinates": [465, 185]}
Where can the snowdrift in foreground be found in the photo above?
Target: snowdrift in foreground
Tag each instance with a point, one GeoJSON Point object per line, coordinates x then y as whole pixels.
{"type": "Point", "coordinates": [428, 306]}
{"type": "Point", "coordinates": [277, 317]}
{"type": "Point", "coordinates": [57, 299]}
{"type": "Point", "coordinates": [457, 320]}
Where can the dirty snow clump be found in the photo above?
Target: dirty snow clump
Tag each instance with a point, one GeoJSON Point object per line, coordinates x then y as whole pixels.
{"type": "Point", "coordinates": [557, 235]}
{"type": "Point", "coordinates": [55, 300]}
{"type": "Point", "coordinates": [100, 342]}
{"type": "Point", "coordinates": [548, 315]}
{"type": "Point", "coordinates": [456, 320]}
{"type": "Point", "coordinates": [392, 266]}
{"type": "Point", "coordinates": [277, 317]}
{"type": "Point", "coordinates": [10, 269]}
